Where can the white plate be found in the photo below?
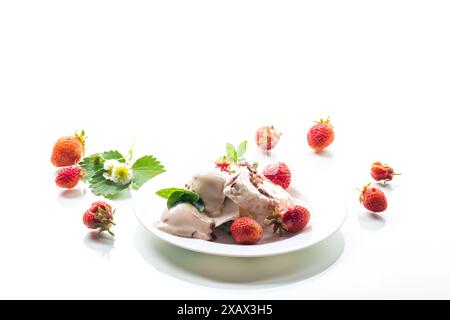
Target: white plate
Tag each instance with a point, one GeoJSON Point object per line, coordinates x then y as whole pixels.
{"type": "Point", "coordinates": [318, 191]}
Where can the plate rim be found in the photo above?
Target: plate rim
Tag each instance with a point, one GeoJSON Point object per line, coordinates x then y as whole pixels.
{"type": "Point", "coordinates": [168, 239]}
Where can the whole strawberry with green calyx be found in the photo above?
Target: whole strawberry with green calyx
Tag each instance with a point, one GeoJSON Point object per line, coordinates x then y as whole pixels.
{"type": "Point", "coordinates": [373, 199]}
{"type": "Point", "coordinates": [382, 172]}
{"type": "Point", "coordinates": [68, 151]}
{"type": "Point", "coordinates": [321, 135]}
{"type": "Point", "coordinates": [293, 219]}
{"type": "Point", "coordinates": [100, 216]}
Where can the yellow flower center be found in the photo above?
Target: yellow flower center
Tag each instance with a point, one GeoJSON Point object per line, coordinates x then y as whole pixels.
{"type": "Point", "coordinates": [121, 172]}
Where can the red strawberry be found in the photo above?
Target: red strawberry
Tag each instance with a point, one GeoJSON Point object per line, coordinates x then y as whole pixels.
{"type": "Point", "coordinates": [99, 216]}
{"type": "Point", "coordinates": [267, 137]}
{"type": "Point", "coordinates": [382, 171]}
{"type": "Point", "coordinates": [278, 173]}
{"type": "Point", "coordinates": [68, 177]}
{"type": "Point", "coordinates": [68, 151]}
{"type": "Point", "coordinates": [292, 219]}
{"type": "Point", "coordinates": [245, 230]}
{"type": "Point", "coordinates": [321, 135]}
{"type": "Point", "coordinates": [223, 165]}
{"type": "Point", "coordinates": [373, 199]}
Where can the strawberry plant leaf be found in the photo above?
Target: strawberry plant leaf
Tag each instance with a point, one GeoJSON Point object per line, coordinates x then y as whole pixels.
{"type": "Point", "coordinates": [94, 163]}
{"type": "Point", "coordinates": [144, 169]}
{"type": "Point", "coordinates": [103, 187]}
{"type": "Point", "coordinates": [91, 165]}
{"type": "Point", "coordinates": [113, 154]}
{"type": "Point", "coordinates": [242, 149]}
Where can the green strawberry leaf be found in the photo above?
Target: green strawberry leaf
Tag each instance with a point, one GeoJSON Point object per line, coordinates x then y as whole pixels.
{"type": "Point", "coordinates": [104, 187]}
{"type": "Point", "coordinates": [242, 149]}
{"type": "Point", "coordinates": [109, 155]}
{"type": "Point", "coordinates": [91, 165]}
{"type": "Point", "coordinates": [94, 163]}
{"type": "Point", "coordinates": [144, 169]}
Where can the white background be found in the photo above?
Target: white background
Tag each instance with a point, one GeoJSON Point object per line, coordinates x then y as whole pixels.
{"type": "Point", "coordinates": [181, 78]}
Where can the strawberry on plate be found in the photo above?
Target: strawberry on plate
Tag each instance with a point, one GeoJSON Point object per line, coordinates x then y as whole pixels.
{"type": "Point", "coordinates": [293, 219]}
{"type": "Point", "coordinates": [278, 173]}
{"type": "Point", "coordinates": [246, 230]}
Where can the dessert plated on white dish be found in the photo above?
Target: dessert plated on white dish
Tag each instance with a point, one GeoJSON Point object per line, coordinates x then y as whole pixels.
{"type": "Point", "coordinates": [204, 226]}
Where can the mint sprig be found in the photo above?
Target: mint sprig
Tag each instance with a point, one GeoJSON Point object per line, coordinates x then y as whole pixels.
{"type": "Point", "coordinates": [176, 196]}
{"type": "Point", "coordinates": [236, 156]}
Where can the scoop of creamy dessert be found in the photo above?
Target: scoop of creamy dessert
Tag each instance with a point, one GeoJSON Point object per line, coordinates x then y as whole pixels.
{"type": "Point", "coordinates": [185, 220]}
{"type": "Point", "coordinates": [256, 195]}
{"type": "Point", "coordinates": [209, 186]}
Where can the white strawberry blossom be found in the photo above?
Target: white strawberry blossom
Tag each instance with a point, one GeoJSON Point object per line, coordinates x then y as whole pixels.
{"type": "Point", "coordinates": [122, 174]}
{"type": "Point", "coordinates": [109, 167]}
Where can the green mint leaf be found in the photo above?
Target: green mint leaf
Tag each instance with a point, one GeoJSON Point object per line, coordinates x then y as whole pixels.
{"type": "Point", "coordinates": [235, 157]}
{"type": "Point", "coordinates": [144, 169]}
{"type": "Point", "coordinates": [242, 148]}
{"type": "Point", "coordinates": [176, 196]}
{"type": "Point", "coordinates": [199, 205]}
{"type": "Point", "coordinates": [166, 193]}
{"type": "Point", "coordinates": [230, 152]}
